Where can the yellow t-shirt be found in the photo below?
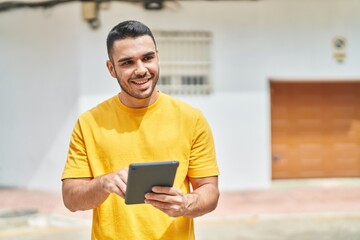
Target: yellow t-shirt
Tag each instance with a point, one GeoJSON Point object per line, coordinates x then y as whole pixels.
{"type": "Point", "coordinates": [111, 136]}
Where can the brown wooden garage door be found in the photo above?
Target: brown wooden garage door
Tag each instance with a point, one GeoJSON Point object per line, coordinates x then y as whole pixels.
{"type": "Point", "coordinates": [315, 129]}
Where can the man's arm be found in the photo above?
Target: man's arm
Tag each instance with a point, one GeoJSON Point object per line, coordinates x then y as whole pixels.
{"type": "Point", "coordinates": [204, 198]}
{"type": "Point", "coordinates": [173, 202]}
{"type": "Point", "coordinates": [88, 193]}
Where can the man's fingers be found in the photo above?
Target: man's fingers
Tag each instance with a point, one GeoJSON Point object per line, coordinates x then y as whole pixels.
{"type": "Point", "coordinates": [168, 195]}
{"type": "Point", "coordinates": [115, 182]}
{"type": "Point", "coordinates": [123, 173]}
{"type": "Point", "coordinates": [167, 190]}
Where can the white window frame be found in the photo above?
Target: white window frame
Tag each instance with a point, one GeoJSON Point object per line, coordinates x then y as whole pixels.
{"type": "Point", "coordinates": [185, 62]}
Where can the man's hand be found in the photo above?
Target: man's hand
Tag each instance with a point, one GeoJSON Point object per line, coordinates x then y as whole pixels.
{"type": "Point", "coordinates": [88, 193]}
{"type": "Point", "coordinates": [175, 203]}
{"type": "Point", "coordinates": [115, 182]}
{"type": "Point", "coordinates": [170, 200]}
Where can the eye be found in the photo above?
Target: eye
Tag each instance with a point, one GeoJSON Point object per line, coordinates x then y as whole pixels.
{"type": "Point", "coordinates": [149, 58]}
{"type": "Point", "coordinates": [127, 63]}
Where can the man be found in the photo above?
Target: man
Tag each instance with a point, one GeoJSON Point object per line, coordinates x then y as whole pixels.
{"type": "Point", "coordinates": [140, 124]}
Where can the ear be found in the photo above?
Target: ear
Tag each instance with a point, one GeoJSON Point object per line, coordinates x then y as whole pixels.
{"type": "Point", "coordinates": [111, 69]}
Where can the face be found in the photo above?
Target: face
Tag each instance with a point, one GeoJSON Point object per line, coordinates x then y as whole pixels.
{"type": "Point", "coordinates": [135, 64]}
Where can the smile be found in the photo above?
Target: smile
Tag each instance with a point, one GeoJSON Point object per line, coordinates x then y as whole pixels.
{"type": "Point", "coordinates": [141, 82]}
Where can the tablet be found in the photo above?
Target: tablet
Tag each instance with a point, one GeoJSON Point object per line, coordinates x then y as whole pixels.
{"type": "Point", "coordinates": [143, 176]}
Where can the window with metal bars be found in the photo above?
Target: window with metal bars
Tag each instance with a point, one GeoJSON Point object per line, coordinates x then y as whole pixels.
{"type": "Point", "coordinates": [185, 60]}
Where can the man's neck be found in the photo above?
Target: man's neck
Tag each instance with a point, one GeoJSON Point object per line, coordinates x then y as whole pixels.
{"type": "Point", "coordinates": [132, 102]}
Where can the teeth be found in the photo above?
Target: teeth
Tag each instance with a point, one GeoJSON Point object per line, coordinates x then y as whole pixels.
{"type": "Point", "coordinates": [142, 82]}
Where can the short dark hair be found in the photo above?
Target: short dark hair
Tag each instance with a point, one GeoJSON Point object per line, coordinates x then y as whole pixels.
{"type": "Point", "coordinates": [127, 29]}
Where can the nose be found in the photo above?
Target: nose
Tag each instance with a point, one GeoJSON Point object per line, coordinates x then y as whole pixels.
{"type": "Point", "coordinates": [140, 68]}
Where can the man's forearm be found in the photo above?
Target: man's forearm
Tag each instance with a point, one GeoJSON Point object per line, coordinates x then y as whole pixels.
{"type": "Point", "coordinates": [202, 200]}
{"type": "Point", "coordinates": [83, 193]}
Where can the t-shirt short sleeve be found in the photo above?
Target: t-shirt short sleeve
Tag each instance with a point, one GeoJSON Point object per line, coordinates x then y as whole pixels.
{"type": "Point", "coordinates": [77, 165]}
{"type": "Point", "coordinates": [202, 162]}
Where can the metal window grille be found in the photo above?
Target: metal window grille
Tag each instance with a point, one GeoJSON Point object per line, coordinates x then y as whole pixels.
{"type": "Point", "coordinates": [185, 60]}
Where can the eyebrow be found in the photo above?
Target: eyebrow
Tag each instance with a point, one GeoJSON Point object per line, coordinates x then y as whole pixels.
{"type": "Point", "coordinates": [129, 58]}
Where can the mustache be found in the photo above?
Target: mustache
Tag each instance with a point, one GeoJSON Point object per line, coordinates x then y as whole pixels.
{"type": "Point", "coordinates": [146, 75]}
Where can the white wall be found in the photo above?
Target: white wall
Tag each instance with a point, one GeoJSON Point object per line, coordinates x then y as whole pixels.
{"type": "Point", "coordinates": [39, 79]}
{"type": "Point", "coordinates": [57, 69]}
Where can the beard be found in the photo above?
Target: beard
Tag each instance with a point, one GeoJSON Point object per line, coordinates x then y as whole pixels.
{"type": "Point", "coordinates": [139, 94]}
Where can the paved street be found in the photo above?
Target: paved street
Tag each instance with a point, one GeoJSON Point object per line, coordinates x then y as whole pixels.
{"type": "Point", "coordinates": [297, 210]}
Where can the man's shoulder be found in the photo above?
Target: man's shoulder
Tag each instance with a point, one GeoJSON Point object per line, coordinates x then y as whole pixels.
{"type": "Point", "coordinates": [102, 108]}
{"type": "Point", "coordinates": [180, 104]}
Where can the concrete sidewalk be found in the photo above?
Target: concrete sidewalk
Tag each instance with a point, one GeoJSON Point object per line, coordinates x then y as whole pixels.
{"type": "Point", "coordinates": [298, 210]}
{"type": "Point", "coordinates": [323, 209]}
